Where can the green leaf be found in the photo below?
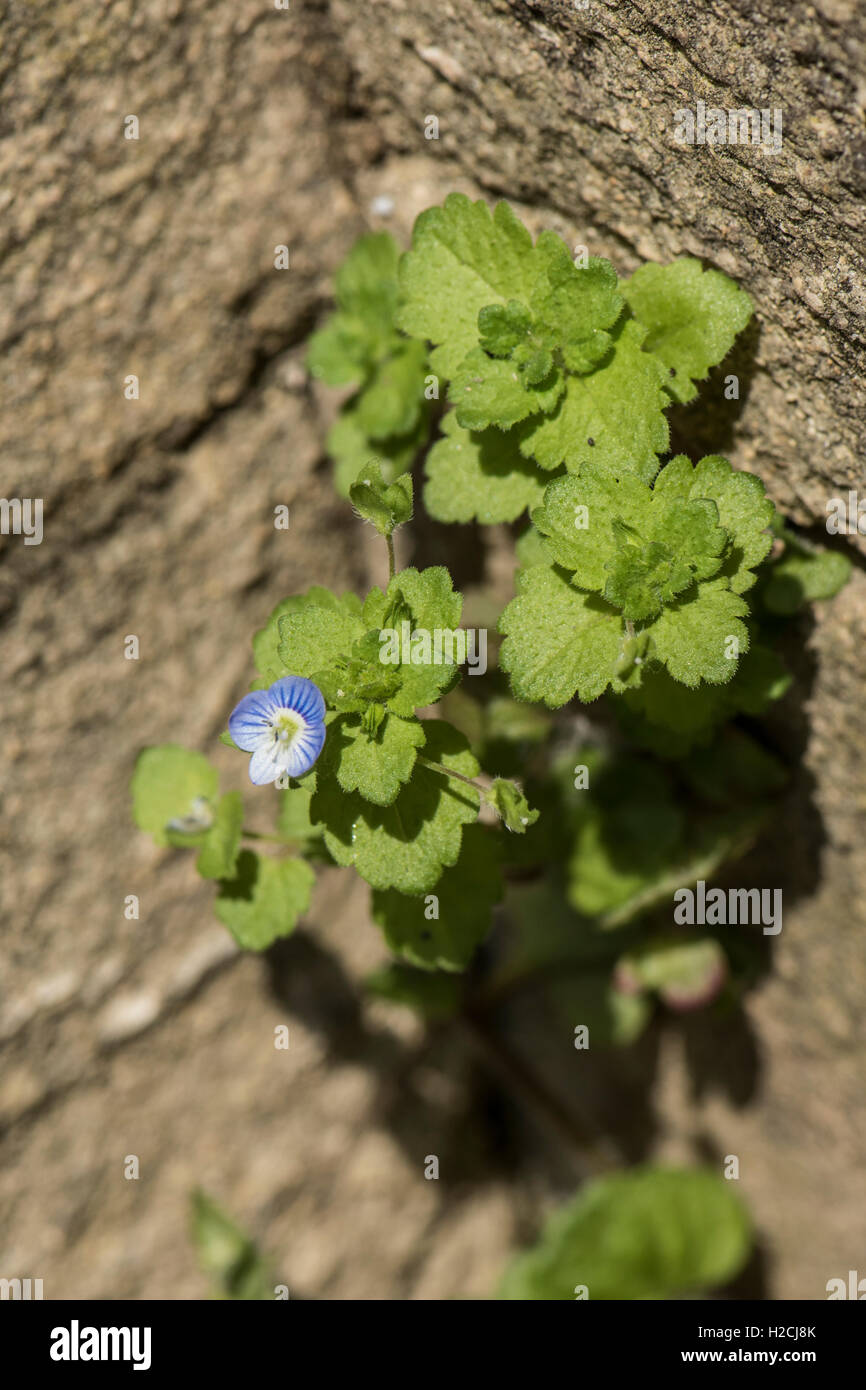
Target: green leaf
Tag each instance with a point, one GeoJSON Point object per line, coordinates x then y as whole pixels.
{"type": "Point", "coordinates": [375, 765]}
{"type": "Point", "coordinates": [635, 545]}
{"type": "Point", "coordinates": [479, 476]}
{"type": "Point", "coordinates": [405, 845]}
{"type": "Point", "coordinates": [362, 330]}
{"type": "Point", "coordinates": [576, 306]}
{"type": "Point", "coordinates": [312, 637]}
{"type": "Point", "coordinates": [531, 549]}
{"type": "Point", "coordinates": [619, 408]}
{"type": "Point", "coordinates": [386, 505]}
{"type": "Point", "coordinates": [686, 972]}
{"type": "Point", "coordinates": [502, 327]}
{"type": "Point", "coordinates": [702, 637]}
{"type": "Point", "coordinates": [646, 1233]}
{"type": "Point", "coordinates": [266, 641]}
{"type": "Point", "coordinates": [559, 641]}
{"type": "Point", "coordinates": [226, 1253]}
{"type": "Point", "coordinates": [493, 391]}
{"type": "Point", "coordinates": [744, 510]}
{"type": "Point", "coordinates": [435, 995]}
{"type": "Point", "coordinates": [388, 417]}
{"type": "Point", "coordinates": [393, 397]}
{"type": "Point", "coordinates": [426, 603]}
{"type": "Point", "coordinates": [264, 899]}
{"type": "Point", "coordinates": [444, 932]}
{"type": "Point", "coordinates": [351, 448]}
{"type": "Point", "coordinates": [511, 805]}
{"type": "Point", "coordinates": [801, 577]}
{"type": "Point", "coordinates": [463, 259]}
{"type": "Point", "coordinates": [173, 784]}
{"type": "Point", "coordinates": [219, 851]}
{"type": "Point", "coordinates": [294, 820]}
{"type": "Point", "coordinates": [692, 317]}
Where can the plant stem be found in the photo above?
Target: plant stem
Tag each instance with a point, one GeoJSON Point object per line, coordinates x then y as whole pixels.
{"type": "Point", "coordinates": [449, 772]}
{"type": "Point", "coordinates": [392, 566]}
{"type": "Point", "coordinates": [592, 1157]}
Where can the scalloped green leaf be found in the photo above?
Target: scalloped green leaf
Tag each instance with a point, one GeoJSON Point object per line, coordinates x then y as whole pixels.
{"type": "Point", "coordinates": [489, 391]}
{"type": "Point", "coordinates": [463, 259]}
{"type": "Point", "coordinates": [691, 316]}
{"type": "Point", "coordinates": [405, 845]}
{"type": "Point", "coordinates": [264, 899]}
{"type": "Point", "coordinates": [558, 641]}
{"type": "Point", "coordinates": [613, 416]}
{"type": "Point", "coordinates": [744, 510]}
{"type": "Point", "coordinates": [313, 636]}
{"type": "Point", "coordinates": [374, 764]}
{"type": "Point", "coordinates": [702, 636]}
{"type": "Point", "coordinates": [443, 931]}
{"type": "Point", "coordinates": [479, 476]}
{"type": "Point", "coordinates": [637, 546]}
{"type": "Point", "coordinates": [266, 641]}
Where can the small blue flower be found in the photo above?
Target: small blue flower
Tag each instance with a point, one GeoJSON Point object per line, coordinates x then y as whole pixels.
{"type": "Point", "coordinates": [283, 728]}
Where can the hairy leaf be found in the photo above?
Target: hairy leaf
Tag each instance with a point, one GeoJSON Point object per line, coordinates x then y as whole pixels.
{"type": "Point", "coordinates": [692, 317]}
{"type": "Point", "coordinates": [405, 845]}
{"type": "Point", "coordinates": [480, 476]}
{"type": "Point", "coordinates": [559, 641]}
{"type": "Point", "coordinates": [615, 415]}
{"type": "Point", "coordinates": [443, 932]}
{"type": "Point", "coordinates": [264, 899]}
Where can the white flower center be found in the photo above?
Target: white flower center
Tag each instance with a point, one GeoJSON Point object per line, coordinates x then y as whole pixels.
{"type": "Point", "coordinates": [286, 726]}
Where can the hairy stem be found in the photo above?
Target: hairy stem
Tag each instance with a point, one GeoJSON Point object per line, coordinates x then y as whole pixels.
{"type": "Point", "coordinates": [392, 566]}
{"type": "Point", "coordinates": [449, 772]}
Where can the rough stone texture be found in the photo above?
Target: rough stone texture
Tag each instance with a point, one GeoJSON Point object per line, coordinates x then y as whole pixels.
{"type": "Point", "coordinates": [155, 257]}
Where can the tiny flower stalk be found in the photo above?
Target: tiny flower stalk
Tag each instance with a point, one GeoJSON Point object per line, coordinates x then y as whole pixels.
{"type": "Point", "coordinates": [505, 797]}
{"type": "Point", "coordinates": [386, 506]}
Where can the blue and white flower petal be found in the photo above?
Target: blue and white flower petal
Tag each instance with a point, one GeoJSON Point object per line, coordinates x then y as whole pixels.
{"type": "Point", "coordinates": [283, 727]}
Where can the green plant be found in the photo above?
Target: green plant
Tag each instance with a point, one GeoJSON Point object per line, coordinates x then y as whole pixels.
{"type": "Point", "coordinates": [659, 586]}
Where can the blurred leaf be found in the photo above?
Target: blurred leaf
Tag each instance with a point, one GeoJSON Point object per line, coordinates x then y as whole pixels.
{"type": "Point", "coordinates": [172, 788]}
{"type": "Point", "coordinates": [801, 577]}
{"type": "Point", "coordinates": [220, 847]}
{"type": "Point", "coordinates": [612, 1018]}
{"type": "Point", "coordinates": [226, 1254]}
{"type": "Point", "coordinates": [433, 994]}
{"type": "Point", "coordinates": [686, 973]}
{"type": "Point", "coordinates": [647, 1233]}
